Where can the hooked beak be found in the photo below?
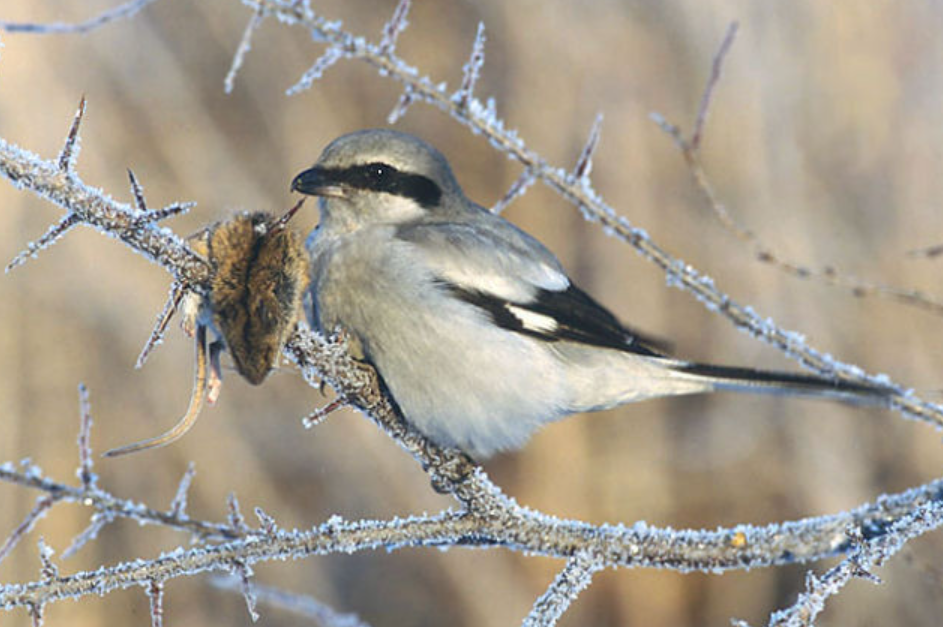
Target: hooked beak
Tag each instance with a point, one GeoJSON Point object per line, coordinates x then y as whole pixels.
{"type": "Point", "coordinates": [317, 182]}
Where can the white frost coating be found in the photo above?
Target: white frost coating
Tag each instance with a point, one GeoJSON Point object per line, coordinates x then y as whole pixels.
{"type": "Point", "coordinates": [331, 56]}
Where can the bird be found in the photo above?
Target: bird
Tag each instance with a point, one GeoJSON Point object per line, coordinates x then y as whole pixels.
{"type": "Point", "coordinates": [472, 324]}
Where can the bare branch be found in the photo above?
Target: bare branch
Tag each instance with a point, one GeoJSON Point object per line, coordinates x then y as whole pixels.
{"type": "Point", "coordinates": [569, 582]}
{"type": "Point", "coordinates": [471, 70]}
{"type": "Point", "coordinates": [178, 507]}
{"type": "Point", "coordinates": [520, 185]}
{"type": "Point", "coordinates": [43, 504]}
{"type": "Point", "coordinates": [707, 97]}
{"type": "Point", "coordinates": [84, 473]}
{"type": "Point", "coordinates": [155, 593]}
{"type": "Point", "coordinates": [57, 230]}
{"type": "Point", "coordinates": [48, 571]}
{"type": "Point", "coordinates": [299, 604]}
{"type": "Point", "coordinates": [126, 10]}
{"type": "Point", "coordinates": [245, 44]}
{"type": "Point", "coordinates": [584, 165]}
{"type": "Point", "coordinates": [318, 415]}
{"type": "Point", "coordinates": [91, 206]}
{"type": "Point", "coordinates": [91, 531]}
{"type": "Point", "coordinates": [857, 565]}
{"type": "Point", "coordinates": [244, 573]}
{"type": "Point", "coordinates": [177, 292]}
{"type": "Point", "coordinates": [399, 109]}
{"type": "Point", "coordinates": [394, 27]}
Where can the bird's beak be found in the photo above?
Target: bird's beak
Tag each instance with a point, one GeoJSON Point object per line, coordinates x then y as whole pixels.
{"type": "Point", "coordinates": [317, 182]}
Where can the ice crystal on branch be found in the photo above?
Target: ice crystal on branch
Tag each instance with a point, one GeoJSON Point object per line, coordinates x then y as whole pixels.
{"type": "Point", "coordinates": [394, 27]}
{"type": "Point", "coordinates": [471, 70]}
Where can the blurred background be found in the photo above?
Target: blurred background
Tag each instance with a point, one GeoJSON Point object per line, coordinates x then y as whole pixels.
{"type": "Point", "coordinates": [824, 138]}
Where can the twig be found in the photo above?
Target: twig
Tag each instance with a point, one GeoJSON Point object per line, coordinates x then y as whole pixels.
{"type": "Point", "coordinates": [123, 11]}
{"type": "Point", "coordinates": [567, 585]}
{"type": "Point", "coordinates": [299, 604]}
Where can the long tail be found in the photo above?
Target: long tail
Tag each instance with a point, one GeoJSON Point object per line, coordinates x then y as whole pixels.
{"type": "Point", "coordinates": [736, 379]}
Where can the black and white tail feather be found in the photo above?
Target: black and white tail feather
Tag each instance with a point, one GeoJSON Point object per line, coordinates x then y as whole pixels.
{"type": "Point", "coordinates": [473, 324]}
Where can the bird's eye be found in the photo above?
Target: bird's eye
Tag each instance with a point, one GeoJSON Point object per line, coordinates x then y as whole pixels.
{"type": "Point", "coordinates": [378, 171]}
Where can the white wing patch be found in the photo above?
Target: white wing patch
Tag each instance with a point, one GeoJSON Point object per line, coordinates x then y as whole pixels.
{"type": "Point", "coordinates": [531, 321]}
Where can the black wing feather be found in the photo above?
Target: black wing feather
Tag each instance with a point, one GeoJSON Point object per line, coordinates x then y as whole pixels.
{"type": "Point", "coordinates": [578, 318]}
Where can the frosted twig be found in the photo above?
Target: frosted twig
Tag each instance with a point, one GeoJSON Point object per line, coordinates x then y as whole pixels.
{"type": "Point", "coordinates": [828, 275]}
{"type": "Point", "coordinates": [471, 70]}
{"type": "Point", "coordinates": [266, 522]}
{"type": "Point", "coordinates": [177, 291]}
{"type": "Point", "coordinates": [858, 564]}
{"type": "Point", "coordinates": [245, 44]}
{"type": "Point", "coordinates": [47, 569]}
{"type": "Point", "coordinates": [126, 10]}
{"type": "Point", "coordinates": [43, 504]}
{"type": "Point", "coordinates": [236, 519]}
{"type": "Point", "coordinates": [575, 577]}
{"type": "Point", "coordinates": [56, 231]}
{"type": "Point", "coordinates": [331, 56]}
{"type": "Point", "coordinates": [482, 121]}
{"type": "Point", "coordinates": [708, 95]}
{"type": "Point", "coordinates": [299, 604]}
{"type": "Point", "coordinates": [84, 473]}
{"type": "Point", "coordinates": [243, 572]}
{"type": "Point", "coordinates": [178, 507]}
{"type": "Point", "coordinates": [155, 594]}
{"type": "Point", "coordinates": [318, 415]}
{"type": "Point", "coordinates": [584, 165]}
{"type": "Point", "coordinates": [520, 185]}
{"type": "Point", "coordinates": [91, 531]}
{"type": "Point", "coordinates": [394, 27]}
{"type": "Point", "coordinates": [399, 109]}
{"type": "Point", "coordinates": [93, 207]}
{"type": "Point", "coordinates": [36, 614]}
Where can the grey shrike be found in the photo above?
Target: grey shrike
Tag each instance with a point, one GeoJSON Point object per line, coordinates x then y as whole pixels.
{"type": "Point", "coordinates": [474, 327]}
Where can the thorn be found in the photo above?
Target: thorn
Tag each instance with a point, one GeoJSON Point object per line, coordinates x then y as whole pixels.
{"type": "Point", "coordinates": [137, 192]}
{"type": "Point", "coordinates": [178, 507]}
{"type": "Point", "coordinates": [156, 215]}
{"type": "Point", "coordinates": [331, 56]}
{"type": "Point", "coordinates": [266, 522]}
{"type": "Point", "coordinates": [70, 150]}
{"type": "Point", "coordinates": [177, 291]}
{"type": "Point", "coordinates": [282, 221]}
{"type": "Point", "coordinates": [518, 187]}
{"type": "Point", "coordinates": [471, 70]}
{"type": "Point", "coordinates": [399, 109]}
{"type": "Point", "coordinates": [56, 231]}
{"type": "Point", "coordinates": [317, 416]}
{"type": "Point", "coordinates": [584, 165]}
{"type": "Point", "coordinates": [48, 570]}
{"type": "Point", "coordinates": [394, 27]}
{"type": "Point", "coordinates": [236, 520]}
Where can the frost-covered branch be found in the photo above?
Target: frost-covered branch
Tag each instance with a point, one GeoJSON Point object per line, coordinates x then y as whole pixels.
{"type": "Point", "coordinates": [123, 11]}
{"type": "Point", "coordinates": [481, 119]}
{"type": "Point", "coordinates": [829, 275]}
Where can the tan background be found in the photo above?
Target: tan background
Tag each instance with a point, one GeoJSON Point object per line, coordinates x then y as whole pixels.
{"type": "Point", "coordinates": [825, 138]}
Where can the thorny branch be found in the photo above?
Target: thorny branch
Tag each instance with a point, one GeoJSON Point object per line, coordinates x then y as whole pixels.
{"type": "Point", "coordinates": [487, 517]}
{"type": "Point", "coordinates": [690, 150]}
{"type": "Point", "coordinates": [123, 11]}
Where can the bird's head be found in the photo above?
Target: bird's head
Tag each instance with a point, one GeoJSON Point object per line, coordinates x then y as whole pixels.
{"type": "Point", "coordinates": [379, 176]}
